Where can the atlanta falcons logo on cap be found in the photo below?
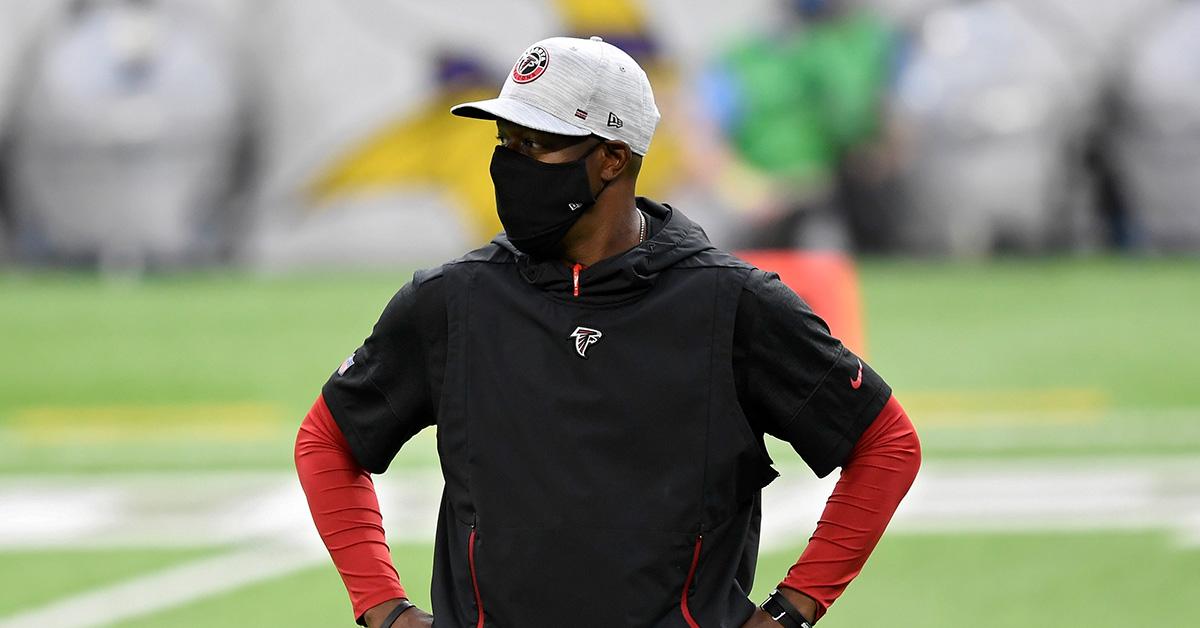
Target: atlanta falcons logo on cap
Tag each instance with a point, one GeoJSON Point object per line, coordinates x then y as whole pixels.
{"type": "Point", "coordinates": [584, 338]}
{"type": "Point", "coordinates": [531, 65]}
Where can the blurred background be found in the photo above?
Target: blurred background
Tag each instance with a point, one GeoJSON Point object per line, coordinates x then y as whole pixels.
{"type": "Point", "coordinates": [205, 204]}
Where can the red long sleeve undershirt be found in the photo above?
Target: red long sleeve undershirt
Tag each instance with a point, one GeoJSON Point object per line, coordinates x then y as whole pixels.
{"type": "Point", "coordinates": [875, 478]}
{"type": "Point", "coordinates": [345, 508]}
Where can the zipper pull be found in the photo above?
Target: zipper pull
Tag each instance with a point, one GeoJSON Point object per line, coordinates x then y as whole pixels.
{"type": "Point", "coordinates": [575, 274]}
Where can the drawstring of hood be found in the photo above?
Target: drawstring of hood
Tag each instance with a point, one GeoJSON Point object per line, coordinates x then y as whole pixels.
{"type": "Point", "coordinates": [579, 267]}
{"type": "Point", "coordinates": [575, 276]}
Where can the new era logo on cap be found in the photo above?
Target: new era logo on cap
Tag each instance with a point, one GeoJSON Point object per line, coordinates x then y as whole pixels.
{"type": "Point", "coordinates": [614, 121]}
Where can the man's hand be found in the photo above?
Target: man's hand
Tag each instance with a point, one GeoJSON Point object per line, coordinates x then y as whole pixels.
{"type": "Point", "coordinates": [411, 618]}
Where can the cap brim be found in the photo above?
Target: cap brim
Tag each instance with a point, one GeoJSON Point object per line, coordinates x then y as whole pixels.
{"type": "Point", "coordinates": [517, 112]}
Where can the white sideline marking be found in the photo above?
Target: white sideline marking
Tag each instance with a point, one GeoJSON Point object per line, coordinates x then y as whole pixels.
{"type": "Point", "coordinates": [265, 513]}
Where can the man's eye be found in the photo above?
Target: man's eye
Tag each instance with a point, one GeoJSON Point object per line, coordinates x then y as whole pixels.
{"type": "Point", "coordinates": [525, 143]}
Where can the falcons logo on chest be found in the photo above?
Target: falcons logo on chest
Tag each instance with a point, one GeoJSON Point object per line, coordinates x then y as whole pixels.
{"type": "Point", "coordinates": [584, 338]}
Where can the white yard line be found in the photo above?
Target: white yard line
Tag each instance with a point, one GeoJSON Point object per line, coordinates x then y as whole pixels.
{"type": "Point", "coordinates": [1118, 493]}
{"type": "Point", "coordinates": [265, 515]}
{"type": "Point", "coordinates": [188, 509]}
{"type": "Point", "coordinates": [168, 588]}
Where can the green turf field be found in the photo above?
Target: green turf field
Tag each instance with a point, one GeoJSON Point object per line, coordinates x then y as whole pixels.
{"type": "Point", "coordinates": [1071, 362]}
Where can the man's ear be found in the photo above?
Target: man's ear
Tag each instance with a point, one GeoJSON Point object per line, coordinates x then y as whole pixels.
{"type": "Point", "coordinates": [616, 157]}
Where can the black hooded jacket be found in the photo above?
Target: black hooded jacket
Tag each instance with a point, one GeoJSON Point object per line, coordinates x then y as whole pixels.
{"type": "Point", "coordinates": [602, 453]}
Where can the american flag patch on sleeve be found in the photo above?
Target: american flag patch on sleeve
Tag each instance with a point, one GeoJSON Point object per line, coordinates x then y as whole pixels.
{"type": "Point", "coordinates": [346, 365]}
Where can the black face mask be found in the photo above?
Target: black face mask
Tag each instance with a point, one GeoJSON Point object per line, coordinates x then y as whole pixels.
{"type": "Point", "coordinates": [538, 203]}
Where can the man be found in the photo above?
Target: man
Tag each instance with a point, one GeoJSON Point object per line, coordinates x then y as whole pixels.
{"type": "Point", "coordinates": [601, 378]}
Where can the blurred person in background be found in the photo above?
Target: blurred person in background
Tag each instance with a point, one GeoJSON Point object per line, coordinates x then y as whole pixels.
{"type": "Point", "coordinates": [991, 114]}
{"type": "Point", "coordinates": [20, 22]}
{"type": "Point", "coordinates": [1096, 39]}
{"type": "Point", "coordinates": [1156, 138]}
{"type": "Point", "coordinates": [800, 106]}
{"type": "Point", "coordinates": [125, 135]}
{"type": "Point", "coordinates": [797, 108]}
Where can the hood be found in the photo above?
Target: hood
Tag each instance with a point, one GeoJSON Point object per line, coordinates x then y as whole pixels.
{"type": "Point", "coordinates": [624, 276]}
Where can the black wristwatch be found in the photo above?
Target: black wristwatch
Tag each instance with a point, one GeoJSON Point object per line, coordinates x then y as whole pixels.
{"type": "Point", "coordinates": [396, 613]}
{"type": "Point", "coordinates": [784, 612]}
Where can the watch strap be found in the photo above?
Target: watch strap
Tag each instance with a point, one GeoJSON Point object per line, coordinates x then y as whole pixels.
{"type": "Point", "coordinates": [396, 613]}
{"type": "Point", "coordinates": [784, 612]}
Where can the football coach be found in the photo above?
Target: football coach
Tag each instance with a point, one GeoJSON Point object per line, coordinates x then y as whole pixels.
{"type": "Point", "coordinates": [601, 378]}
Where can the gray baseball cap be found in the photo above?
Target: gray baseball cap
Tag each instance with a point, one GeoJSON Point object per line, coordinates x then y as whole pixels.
{"type": "Point", "coordinates": [575, 87]}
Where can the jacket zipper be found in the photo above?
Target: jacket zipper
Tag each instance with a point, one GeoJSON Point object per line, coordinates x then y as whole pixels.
{"type": "Point", "coordinates": [687, 584]}
{"type": "Point", "coordinates": [575, 275]}
{"type": "Point", "coordinates": [474, 577]}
